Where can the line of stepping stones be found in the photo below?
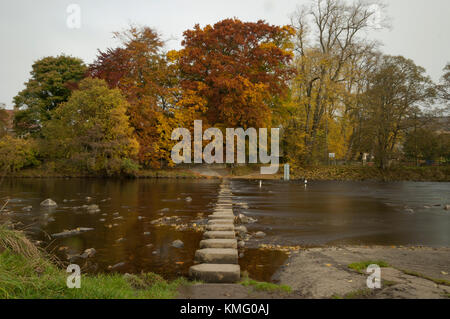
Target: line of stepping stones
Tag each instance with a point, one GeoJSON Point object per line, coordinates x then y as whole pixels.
{"type": "Point", "coordinates": [217, 258]}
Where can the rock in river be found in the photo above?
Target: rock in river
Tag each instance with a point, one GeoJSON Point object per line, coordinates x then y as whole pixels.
{"type": "Point", "coordinates": [116, 266]}
{"type": "Point", "coordinates": [72, 232]}
{"type": "Point", "coordinates": [88, 253]}
{"type": "Point", "coordinates": [177, 244]}
{"type": "Point", "coordinates": [243, 219]}
{"type": "Point", "coordinates": [49, 203]}
{"type": "Point", "coordinates": [93, 208]}
{"type": "Point", "coordinates": [260, 234]}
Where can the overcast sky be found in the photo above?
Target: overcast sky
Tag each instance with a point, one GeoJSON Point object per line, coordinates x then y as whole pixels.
{"type": "Point", "coordinates": [30, 30]}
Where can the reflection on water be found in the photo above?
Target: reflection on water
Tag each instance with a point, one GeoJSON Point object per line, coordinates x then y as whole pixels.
{"type": "Point", "coordinates": [290, 214]}
{"type": "Point", "coordinates": [123, 232]}
{"type": "Point", "coordinates": [325, 213]}
{"type": "Point", "coordinates": [261, 265]}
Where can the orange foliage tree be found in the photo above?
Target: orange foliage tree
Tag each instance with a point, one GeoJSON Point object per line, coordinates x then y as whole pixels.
{"type": "Point", "coordinates": [140, 69]}
{"type": "Point", "coordinates": [239, 68]}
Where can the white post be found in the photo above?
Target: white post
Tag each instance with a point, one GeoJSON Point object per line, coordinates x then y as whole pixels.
{"type": "Point", "coordinates": [286, 172]}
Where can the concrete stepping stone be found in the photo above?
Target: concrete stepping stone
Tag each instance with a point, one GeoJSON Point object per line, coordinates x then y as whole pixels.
{"type": "Point", "coordinates": [229, 217]}
{"type": "Point", "coordinates": [217, 256]}
{"type": "Point", "coordinates": [218, 243]}
{"type": "Point", "coordinates": [221, 215]}
{"type": "Point", "coordinates": [215, 227]}
{"type": "Point", "coordinates": [223, 211]}
{"type": "Point", "coordinates": [216, 273]}
{"type": "Point", "coordinates": [219, 234]}
{"type": "Point", "coordinates": [221, 221]}
{"type": "Point", "coordinates": [229, 213]}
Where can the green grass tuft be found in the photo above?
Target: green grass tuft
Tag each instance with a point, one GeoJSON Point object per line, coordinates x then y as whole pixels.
{"type": "Point", "coordinates": [359, 294]}
{"type": "Point", "coordinates": [362, 266]}
{"type": "Point", "coordinates": [263, 286]}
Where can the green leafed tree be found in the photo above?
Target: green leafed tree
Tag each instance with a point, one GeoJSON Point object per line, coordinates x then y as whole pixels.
{"type": "Point", "coordinates": [52, 80]}
{"type": "Point", "coordinates": [398, 90]}
{"type": "Point", "coordinates": [91, 131]}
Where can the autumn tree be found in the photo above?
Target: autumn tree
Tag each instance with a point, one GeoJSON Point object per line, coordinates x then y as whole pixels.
{"type": "Point", "coordinates": [91, 131]}
{"type": "Point", "coordinates": [240, 69]}
{"type": "Point", "coordinates": [141, 70]}
{"type": "Point", "coordinates": [51, 82]}
{"type": "Point", "coordinates": [330, 39]}
{"type": "Point", "coordinates": [16, 154]}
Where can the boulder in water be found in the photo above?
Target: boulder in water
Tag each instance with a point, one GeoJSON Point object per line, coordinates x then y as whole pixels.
{"type": "Point", "coordinates": [88, 253]}
{"type": "Point", "coordinates": [93, 208]}
{"type": "Point", "coordinates": [177, 244]}
{"type": "Point", "coordinates": [260, 234]}
{"type": "Point", "coordinates": [49, 203]}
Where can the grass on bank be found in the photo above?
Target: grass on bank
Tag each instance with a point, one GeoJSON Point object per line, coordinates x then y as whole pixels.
{"type": "Point", "coordinates": [319, 173]}
{"type": "Point", "coordinates": [26, 272]}
{"type": "Point", "coordinates": [362, 265]}
{"type": "Point", "coordinates": [420, 275]}
{"type": "Point", "coordinates": [362, 173]}
{"type": "Point", "coordinates": [263, 286]}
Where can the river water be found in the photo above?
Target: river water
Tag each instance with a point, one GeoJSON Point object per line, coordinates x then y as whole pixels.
{"type": "Point", "coordinates": [290, 213]}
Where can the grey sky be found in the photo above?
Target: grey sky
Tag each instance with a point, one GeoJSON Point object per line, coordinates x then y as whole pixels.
{"type": "Point", "coordinates": [30, 30]}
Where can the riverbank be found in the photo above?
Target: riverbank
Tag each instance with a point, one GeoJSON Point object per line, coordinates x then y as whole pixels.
{"type": "Point", "coordinates": [42, 172]}
{"type": "Point", "coordinates": [27, 272]}
{"type": "Point", "coordinates": [318, 173]}
{"type": "Point", "coordinates": [340, 272]}
{"type": "Point", "coordinates": [331, 272]}
{"type": "Point", "coordinates": [351, 173]}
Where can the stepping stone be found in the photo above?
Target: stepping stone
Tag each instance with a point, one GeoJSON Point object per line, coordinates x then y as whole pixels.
{"type": "Point", "coordinates": [217, 256]}
{"type": "Point", "coordinates": [222, 214]}
{"type": "Point", "coordinates": [218, 243]}
{"type": "Point", "coordinates": [223, 211]}
{"type": "Point", "coordinates": [216, 273]}
{"type": "Point", "coordinates": [215, 227]}
{"type": "Point", "coordinates": [229, 213]}
{"type": "Point", "coordinates": [221, 221]}
{"type": "Point", "coordinates": [224, 206]}
{"type": "Point", "coordinates": [219, 234]}
{"type": "Point", "coordinates": [224, 203]}
{"type": "Point", "coordinates": [229, 217]}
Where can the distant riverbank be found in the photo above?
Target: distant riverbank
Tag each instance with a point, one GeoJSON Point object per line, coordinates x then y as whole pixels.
{"type": "Point", "coordinates": [352, 173]}
{"type": "Point", "coordinates": [319, 173]}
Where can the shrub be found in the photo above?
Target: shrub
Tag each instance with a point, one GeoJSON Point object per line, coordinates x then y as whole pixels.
{"type": "Point", "coordinates": [16, 153]}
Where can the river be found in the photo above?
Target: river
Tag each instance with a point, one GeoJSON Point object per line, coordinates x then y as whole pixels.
{"type": "Point", "coordinates": [290, 213]}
